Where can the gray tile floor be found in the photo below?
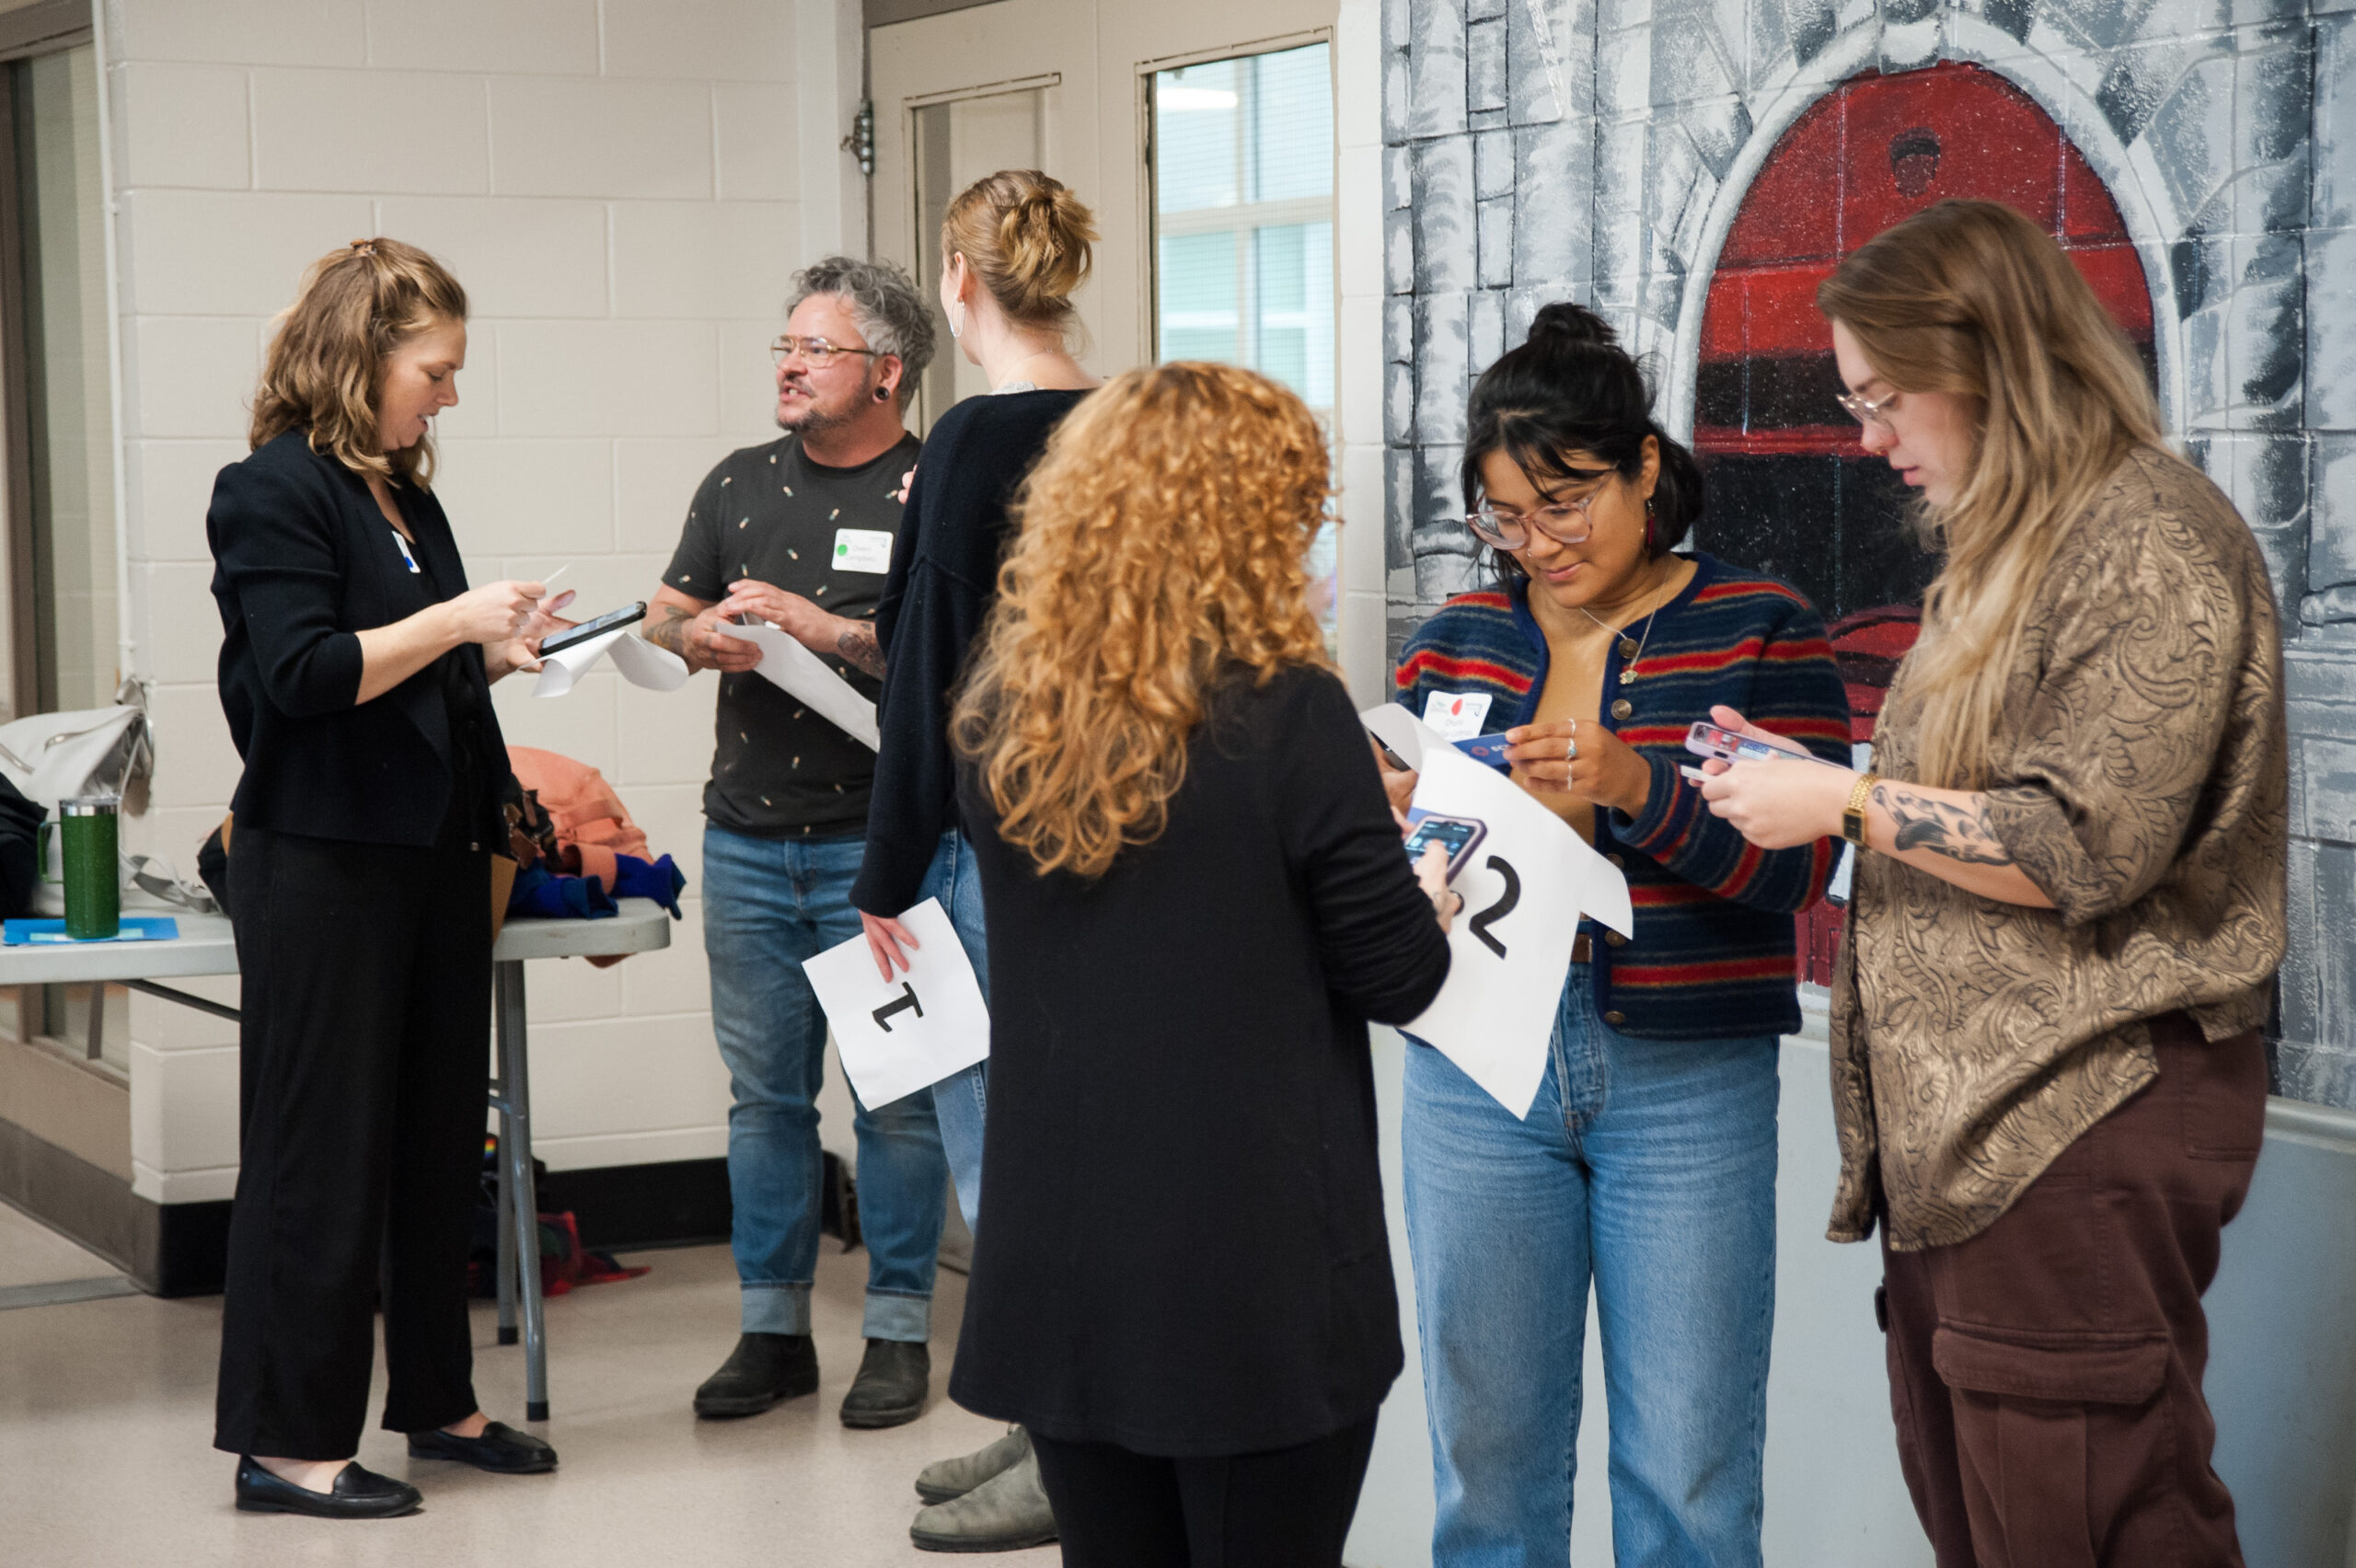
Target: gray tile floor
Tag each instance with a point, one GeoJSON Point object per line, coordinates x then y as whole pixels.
{"type": "Point", "coordinates": [106, 1426]}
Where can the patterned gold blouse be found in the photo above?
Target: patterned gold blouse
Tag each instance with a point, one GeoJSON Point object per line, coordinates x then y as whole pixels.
{"type": "Point", "coordinates": [2144, 784]}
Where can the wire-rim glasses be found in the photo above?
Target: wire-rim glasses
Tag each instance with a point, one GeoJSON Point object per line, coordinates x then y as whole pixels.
{"type": "Point", "coordinates": [1874, 414]}
{"type": "Point", "coordinates": [1565, 522]}
{"type": "Point", "coordinates": [815, 351]}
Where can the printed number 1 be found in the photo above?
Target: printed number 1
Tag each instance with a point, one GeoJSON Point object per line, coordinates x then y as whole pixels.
{"type": "Point", "coordinates": [1501, 908]}
{"type": "Point", "coordinates": [908, 999]}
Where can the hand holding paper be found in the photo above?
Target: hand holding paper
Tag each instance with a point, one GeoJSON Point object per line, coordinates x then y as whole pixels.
{"type": "Point", "coordinates": [909, 1033]}
{"type": "Point", "coordinates": [641, 663]}
{"type": "Point", "coordinates": [1524, 887]}
{"type": "Point", "coordinates": [794, 668]}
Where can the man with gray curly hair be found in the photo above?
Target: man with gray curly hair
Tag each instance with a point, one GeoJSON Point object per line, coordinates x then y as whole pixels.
{"type": "Point", "coordinates": [799, 533]}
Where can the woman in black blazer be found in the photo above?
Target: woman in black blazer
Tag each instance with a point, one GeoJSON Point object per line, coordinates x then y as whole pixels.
{"type": "Point", "coordinates": [355, 670]}
{"type": "Point", "coordinates": [1196, 898]}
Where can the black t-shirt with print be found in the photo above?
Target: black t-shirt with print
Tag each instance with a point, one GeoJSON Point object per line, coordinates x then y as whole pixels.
{"type": "Point", "coordinates": [770, 513]}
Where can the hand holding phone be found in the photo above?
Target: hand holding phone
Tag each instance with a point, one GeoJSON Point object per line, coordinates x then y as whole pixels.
{"type": "Point", "coordinates": [1706, 739]}
{"type": "Point", "coordinates": [1457, 836]}
{"type": "Point", "coordinates": [612, 620]}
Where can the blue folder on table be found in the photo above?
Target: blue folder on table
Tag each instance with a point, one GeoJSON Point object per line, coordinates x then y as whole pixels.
{"type": "Point", "coordinates": [134, 928]}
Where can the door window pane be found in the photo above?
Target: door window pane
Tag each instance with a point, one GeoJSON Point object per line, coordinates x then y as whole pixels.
{"type": "Point", "coordinates": [1244, 226]}
{"type": "Point", "coordinates": [69, 420]}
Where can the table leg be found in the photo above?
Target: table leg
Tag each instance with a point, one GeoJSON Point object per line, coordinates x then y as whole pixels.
{"type": "Point", "coordinates": [506, 1177]}
{"type": "Point", "coordinates": [516, 1152]}
{"type": "Point", "coordinates": [94, 1047]}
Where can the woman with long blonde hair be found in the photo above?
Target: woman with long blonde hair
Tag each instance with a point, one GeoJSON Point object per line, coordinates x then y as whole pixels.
{"type": "Point", "coordinates": [2068, 909]}
{"type": "Point", "coordinates": [1196, 900]}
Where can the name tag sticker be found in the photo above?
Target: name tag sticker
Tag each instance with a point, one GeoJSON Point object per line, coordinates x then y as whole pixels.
{"type": "Point", "coordinates": [1457, 717]}
{"type": "Point", "coordinates": [402, 545]}
{"type": "Point", "coordinates": [863, 549]}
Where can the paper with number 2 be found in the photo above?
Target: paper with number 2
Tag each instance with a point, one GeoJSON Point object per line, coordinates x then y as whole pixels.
{"type": "Point", "coordinates": [1524, 890]}
{"type": "Point", "coordinates": [899, 1035]}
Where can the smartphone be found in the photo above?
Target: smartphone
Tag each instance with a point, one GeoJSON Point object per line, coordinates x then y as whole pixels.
{"type": "Point", "coordinates": [1708, 740]}
{"type": "Point", "coordinates": [1490, 749]}
{"type": "Point", "coordinates": [1390, 758]}
{"type": "Point", "coordinates": [557, 642]}
{"type": "Point", "coordinates": [1457, 836]}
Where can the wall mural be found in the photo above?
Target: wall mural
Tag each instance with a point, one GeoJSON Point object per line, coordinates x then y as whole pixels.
{"type": "Point", "coordinates": [1691, 167]}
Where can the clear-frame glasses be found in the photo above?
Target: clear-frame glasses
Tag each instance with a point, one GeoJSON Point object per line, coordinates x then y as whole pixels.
{"type": "Point", "coordinates": [1874, 414]}
{"type": "Point", "coordinates": [1565, 522]}
{"type": "Point", "coordinates": [815, 351]}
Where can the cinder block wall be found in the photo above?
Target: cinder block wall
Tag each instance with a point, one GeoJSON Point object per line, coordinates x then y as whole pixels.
{"type": "Point", "coordinates": [1598, 149]}
{"type": "Point", "coordinates": [623, 187]}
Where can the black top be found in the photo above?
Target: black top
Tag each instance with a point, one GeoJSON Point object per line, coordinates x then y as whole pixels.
{"type": "Point", "coordinates": [303, 562]}
{"type": "Point", "coordinates": [1184, 1249]}
{"type": "Point", "coordinates": [945, 574]}
{"type": "Point", "coordinates": [772, 514]}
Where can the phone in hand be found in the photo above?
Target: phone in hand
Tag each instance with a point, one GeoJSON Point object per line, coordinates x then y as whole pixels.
{"type": "Point", "coordinates": [1456, 835]}
{"type": "Point", "coordinates": [1706, 739]}
{"type": "Point", "coordinates": [612, 620]}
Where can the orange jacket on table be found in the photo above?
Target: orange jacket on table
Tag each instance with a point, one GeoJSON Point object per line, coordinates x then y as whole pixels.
{"type": "Point", "coordinates": [587, 813]}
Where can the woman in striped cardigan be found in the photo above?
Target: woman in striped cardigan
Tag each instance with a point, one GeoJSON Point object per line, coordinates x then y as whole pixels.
{"type": "Point", "coordinates": [1646, 1166]}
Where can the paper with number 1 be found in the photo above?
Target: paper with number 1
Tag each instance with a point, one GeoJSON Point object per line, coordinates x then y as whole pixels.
{"type": "Point", "coordinates": [899, 1035]}
{"type": "Point", "coordinates": [1524, 891]}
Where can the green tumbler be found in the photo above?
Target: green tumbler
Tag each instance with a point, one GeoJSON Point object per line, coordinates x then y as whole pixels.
{"type": "Point", "coordinates": [93, 881]}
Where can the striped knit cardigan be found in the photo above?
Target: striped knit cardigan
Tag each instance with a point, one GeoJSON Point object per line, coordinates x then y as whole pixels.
{"type": "Point", "coordinates": [1713, 954]}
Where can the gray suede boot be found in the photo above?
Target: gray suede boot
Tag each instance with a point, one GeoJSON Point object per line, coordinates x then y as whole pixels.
{"type": "Point", "coordinates": [1007, 1513]}
{"type": "Point", "coordinates": [946, 1478]}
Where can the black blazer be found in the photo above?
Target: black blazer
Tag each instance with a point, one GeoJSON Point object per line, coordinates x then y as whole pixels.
{"type": "Point", "coordinates": [303, 562]}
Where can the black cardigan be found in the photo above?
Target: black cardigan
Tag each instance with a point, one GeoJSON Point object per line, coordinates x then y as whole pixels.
{"type": "Point", "coordinates": [303, 562]}
{"type": "Point", "coordinates": [944, 577]}
{"type": "Point", "coordinates": [1183, 1248]}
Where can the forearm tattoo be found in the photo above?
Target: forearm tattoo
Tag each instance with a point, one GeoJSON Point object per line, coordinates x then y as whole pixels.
{"type": "Point", "coordinates": [669, 629]}
{"type": "Point", "coordinates": [1961, 833]}
{"type": "Point", "coordinates": [859, 646]}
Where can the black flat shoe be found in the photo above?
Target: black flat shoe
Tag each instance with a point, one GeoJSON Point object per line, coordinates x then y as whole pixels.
{"type": "Point", "coordinates": [891, 1387]}
{"type": "Point", "coordinates": [761, 1370]}
{"type": "Point", "coordinates": [359, 1494]}
{"type": "Point", "coordinates": [500, 1449]}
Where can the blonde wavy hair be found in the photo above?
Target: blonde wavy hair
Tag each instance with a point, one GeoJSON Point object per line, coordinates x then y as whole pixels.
{"type": "Point", "coordinates": [354, 308]}
{"type": "Point", "coordinates": [1159, 553]}
{"type": "Point", "coordinates": [1028, 238]}
{"type": "Point", "coordinates": [1972, 299]}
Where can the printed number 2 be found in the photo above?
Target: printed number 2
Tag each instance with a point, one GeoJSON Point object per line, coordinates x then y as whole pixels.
{"type": "Point", "coordinates": [1501, 908]}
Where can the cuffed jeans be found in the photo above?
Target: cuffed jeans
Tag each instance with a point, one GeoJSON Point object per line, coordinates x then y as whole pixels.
{"type": "Point", "coordinates": [961, 1100]}
{"type": "Point", "coordinates": [768, 905]}
{"type": "Point", "coordinates": [1648, 1167]}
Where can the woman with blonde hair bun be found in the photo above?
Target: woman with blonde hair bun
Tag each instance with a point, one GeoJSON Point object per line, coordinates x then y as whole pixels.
{"type": "Point", "coordinates": [355, 672]}
{"type": "Point", "coordinates": [2068, 908]}
{"type": "Point", "coordinates": [1197, 899]}
{"type": "Point", "coordinates": [1014, 246]}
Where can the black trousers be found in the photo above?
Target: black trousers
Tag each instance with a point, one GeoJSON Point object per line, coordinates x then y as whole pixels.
{"type": "Point", "coordinates": [366, 1054]}
{"type": "Point", "coordinates": [1289, 1508]}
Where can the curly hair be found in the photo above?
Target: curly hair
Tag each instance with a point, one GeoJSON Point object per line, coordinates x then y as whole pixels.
{"type": "Point", "coordinates": [1161, 552]}
{"type": "Point", "coordinates": [354, 308]}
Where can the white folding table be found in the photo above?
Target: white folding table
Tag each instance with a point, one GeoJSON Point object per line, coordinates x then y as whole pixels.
{"type": "Point", "coordinates": [205, 946]}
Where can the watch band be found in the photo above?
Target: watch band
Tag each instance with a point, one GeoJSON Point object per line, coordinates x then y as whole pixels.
{"type": "Point", "coordinates": [1853, 815]}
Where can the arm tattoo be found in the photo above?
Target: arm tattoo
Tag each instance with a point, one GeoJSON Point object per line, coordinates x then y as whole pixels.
{"type": "Point", "coordinates": [670, 630]}
{"type": "Point", "coordinates": [1959, 833]}
{"type": "Point", "coordinates": [859, 646]}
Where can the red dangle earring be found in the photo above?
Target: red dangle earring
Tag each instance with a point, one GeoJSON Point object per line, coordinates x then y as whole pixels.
{"type": "Point", "coordinates": [1652, 528]}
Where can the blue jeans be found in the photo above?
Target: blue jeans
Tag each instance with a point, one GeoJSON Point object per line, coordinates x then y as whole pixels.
{"type": "Point", "coordinates": [961, 1098]}
{"type": "Point", "coordinates": [1647, 1167]}
{"type": "Point", "coordinates": [769, 905]}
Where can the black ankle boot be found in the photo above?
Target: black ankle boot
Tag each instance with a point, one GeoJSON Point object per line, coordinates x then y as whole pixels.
{"type": "Point", "coordinates": [891, 1387]}
{"type": "Point", "coordinates": [761, 1370]}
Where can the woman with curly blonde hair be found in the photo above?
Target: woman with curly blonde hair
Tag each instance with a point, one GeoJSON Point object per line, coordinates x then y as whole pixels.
{"type": "Point", "coordinates": [1196, 899]}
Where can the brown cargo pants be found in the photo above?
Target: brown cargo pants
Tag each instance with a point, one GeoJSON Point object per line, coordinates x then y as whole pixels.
{"type": "Point", "coordinates": [2045, 1375]}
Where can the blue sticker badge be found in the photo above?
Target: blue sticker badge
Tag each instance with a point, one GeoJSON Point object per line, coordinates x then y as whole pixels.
{"type": "Point", "coordinates": [402, 545]}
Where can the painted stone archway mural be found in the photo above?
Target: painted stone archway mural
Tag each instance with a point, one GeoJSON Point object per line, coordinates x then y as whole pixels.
{"type": "Point", "coordinates": [1791, 490]}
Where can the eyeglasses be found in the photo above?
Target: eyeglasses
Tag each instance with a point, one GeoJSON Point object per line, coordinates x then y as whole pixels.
{"type": "Point", "coordinates": [816, 352]}
{"type": "Point", "coordinates": [1872, 415]}
{"type": "Point", "coordinates": [1565, 522]}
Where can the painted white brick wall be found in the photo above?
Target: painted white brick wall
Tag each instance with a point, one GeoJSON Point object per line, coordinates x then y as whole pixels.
{"type": "Point", "coordinates": [623, 186]}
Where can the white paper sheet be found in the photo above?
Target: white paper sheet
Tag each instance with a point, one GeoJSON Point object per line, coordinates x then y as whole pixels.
{"type": "Point", "coordinates": [641, 663]}
{"type": "Point", "coordinates": [898, 1036]}
{"type": "Point", "coordinates": [797, 670]}
{"type": "Point", "coordinates": [1525, 887]}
